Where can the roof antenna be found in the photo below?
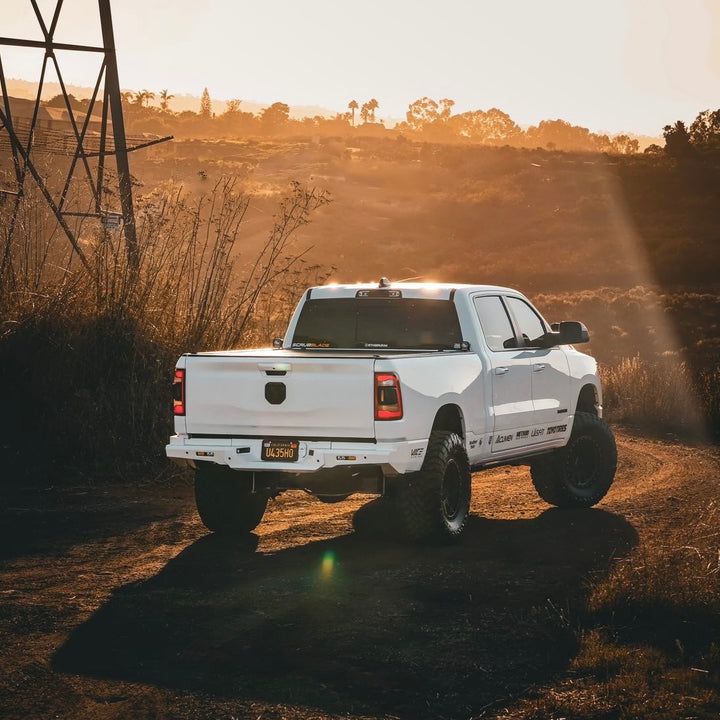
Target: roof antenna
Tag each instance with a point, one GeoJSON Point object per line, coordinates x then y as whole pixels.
{"type": "Point", "coordinates": [384, 282]}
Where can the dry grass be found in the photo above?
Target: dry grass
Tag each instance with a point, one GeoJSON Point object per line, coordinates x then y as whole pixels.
{"type": "Point", "coordinates": [662, 395]}
{"type": "Point", "coordinates": [649, 638]}
{"type": "Point", "coordinates": [88, 356]}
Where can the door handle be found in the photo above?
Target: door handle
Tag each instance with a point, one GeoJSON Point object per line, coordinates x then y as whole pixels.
{"type": "Point", "coordinates": [501, 370]}
{"type": "Point", "coordinates": [538, 367]}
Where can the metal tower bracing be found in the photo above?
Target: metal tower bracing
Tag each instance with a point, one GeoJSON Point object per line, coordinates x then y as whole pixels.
{"type": "Point", "coordinates": [27, 137]}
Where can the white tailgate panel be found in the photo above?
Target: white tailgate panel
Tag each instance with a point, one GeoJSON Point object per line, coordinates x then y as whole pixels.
{"type": "Point", "coordinates": [331, 397]}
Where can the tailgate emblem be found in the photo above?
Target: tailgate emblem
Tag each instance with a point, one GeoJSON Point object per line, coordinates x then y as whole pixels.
{"type": "Point", "coordinates": [275, 393]}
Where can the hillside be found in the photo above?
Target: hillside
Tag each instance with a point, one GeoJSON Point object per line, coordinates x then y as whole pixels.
{"type": "Point", "coordinates": [549, 220]}
{"type": "Point", "coordinates": [562, 226]}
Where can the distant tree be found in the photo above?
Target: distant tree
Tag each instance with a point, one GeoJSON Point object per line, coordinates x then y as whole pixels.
{"type": "Point", "coordinates": [653, 149]}
{"type": "Point", "coordinates": [365, 112]}
{"type": "Point", "coordinates": [372, 105]}
{"type": "Point", "coordinates": [353, 105]}
{"type": "Point", "coordinates": [430, 117]}
{"type": "Point", "coordinates": [603, 143]}
{"type": "Point", "coordinates": [677, 140]}
{"type": "Point", "coordinates": [624, 144]}
{"type": "Point", "coordinates": [421, 113]}
{"type": "Point", "coordinates": [275, 117]}
{"type": "Point", "coordinates": [232, 107]}
{"type": "Point", "coordinates": [142, 98]}
{"type": "Point", "coordinates": [705, 129]}
{"type": "Point", "coordinates": [165, 98]}
{"type": "Point", "coordinates": [205, 105]}
{"type": "Point", "coordinates": [59, 102]}
{"type": "Point", "coordinates": [561, 135]}
{"type": "Point", "coordinates": [493, 127]}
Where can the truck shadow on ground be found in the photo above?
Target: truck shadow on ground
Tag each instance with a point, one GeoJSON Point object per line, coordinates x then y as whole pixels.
{"type": "Point", "coordinates": [361, 623]}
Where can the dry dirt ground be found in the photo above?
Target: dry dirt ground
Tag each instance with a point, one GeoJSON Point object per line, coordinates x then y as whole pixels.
{"type": "Point", "coordinates": [116, 603]}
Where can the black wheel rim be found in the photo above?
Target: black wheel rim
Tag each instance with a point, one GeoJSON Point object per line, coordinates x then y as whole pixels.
{"type": "Point", "coordinates": [452, 485]}
{"type": "Point", "coordinates": [583, 465]}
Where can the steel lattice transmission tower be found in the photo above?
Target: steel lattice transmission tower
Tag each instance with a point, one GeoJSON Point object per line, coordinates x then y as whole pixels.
{"type": "Point", "coordinates": [87, 151]}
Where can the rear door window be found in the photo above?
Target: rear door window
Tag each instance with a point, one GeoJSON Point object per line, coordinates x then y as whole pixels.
{"type": "Point", "coordinates": [529, 323]}
{"type": "Point", "coordinates": [495, 322]}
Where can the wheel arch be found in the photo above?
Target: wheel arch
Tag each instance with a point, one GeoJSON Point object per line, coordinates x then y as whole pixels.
{"type": "Point", "coordinates": [449, 417]}
{"type": "Point", "coordinates": [589, 399]}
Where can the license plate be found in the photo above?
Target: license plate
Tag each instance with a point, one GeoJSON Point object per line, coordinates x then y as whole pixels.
{"type": "Point", "coordinates": [280, 450]}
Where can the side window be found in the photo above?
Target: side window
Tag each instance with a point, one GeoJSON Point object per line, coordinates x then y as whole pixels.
{"type": "Point", "coordinates": [495, 322]}
{"type": "Point", "coordinates": [529, 323]}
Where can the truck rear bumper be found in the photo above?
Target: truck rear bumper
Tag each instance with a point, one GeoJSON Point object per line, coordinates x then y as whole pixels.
{"type": "Point", "coordinates": [396, 458]}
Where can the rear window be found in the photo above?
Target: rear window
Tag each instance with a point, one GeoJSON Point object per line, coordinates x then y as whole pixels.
{"type": "Point", "coordinates": [404, 324]}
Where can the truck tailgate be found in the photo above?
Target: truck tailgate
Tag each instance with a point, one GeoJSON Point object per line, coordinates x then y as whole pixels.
{"type": "Point", "coordinates": [316, 397]}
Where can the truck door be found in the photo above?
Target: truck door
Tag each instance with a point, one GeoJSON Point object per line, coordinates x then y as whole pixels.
{"type": "Point", "coordinates": [550, 373]}
{"type": "Point", "coordinates": [510, 373]}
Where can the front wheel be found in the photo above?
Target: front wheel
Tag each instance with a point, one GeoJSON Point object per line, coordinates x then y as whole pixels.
{"type": "Point", "coordinates": [580, 474]}
{"type": "Point", "coordinates": [225, 499]}
{"type": "Point", "coordinates": [435, 502]}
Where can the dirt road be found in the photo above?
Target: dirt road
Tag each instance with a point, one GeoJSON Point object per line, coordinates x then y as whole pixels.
{"type": "Point", "coordinates": [116, 603]}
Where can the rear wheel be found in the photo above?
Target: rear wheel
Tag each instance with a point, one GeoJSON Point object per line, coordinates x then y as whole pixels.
{"type": "Point", "coordinates": [225, 499]}
{"type": "Point", "coordinates": [581, 473]}
{"type": "Point", "coordinates": [435, 502]}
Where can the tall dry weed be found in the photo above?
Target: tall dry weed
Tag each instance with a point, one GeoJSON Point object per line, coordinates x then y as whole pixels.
{"type": "Point", "coordinates": [662, 395]}
{"type": "Point", "coordinates": [88, 355]}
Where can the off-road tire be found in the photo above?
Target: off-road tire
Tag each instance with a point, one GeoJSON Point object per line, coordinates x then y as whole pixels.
{"type": "Point", "coordinates": [435, 502]}
{"type": "Point", "coordinates": [225, 500]}
{"type": "Point", "coordinates": [580, 474]}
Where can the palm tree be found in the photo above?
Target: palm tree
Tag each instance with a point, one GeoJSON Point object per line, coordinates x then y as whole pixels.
{"type": "Point", "coordinates": [372, 106]}
{"type": "Point", "coordinates": [353, 105]}
{"type": "Point", "coordinates": [165, 98]}
{"type": "Point", "coordinates": [142, 98]}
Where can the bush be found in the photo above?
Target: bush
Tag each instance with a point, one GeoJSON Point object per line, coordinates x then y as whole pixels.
{"type": "Point", "coordinates": [88, 355]}
{"type": "Point", "coordinates": [663, 395]}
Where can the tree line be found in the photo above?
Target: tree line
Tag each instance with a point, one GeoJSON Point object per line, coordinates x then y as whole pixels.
{"type": "Point", "coordinates": [702, 136]}
{"type": "Point", "coordinates": [426, 119]}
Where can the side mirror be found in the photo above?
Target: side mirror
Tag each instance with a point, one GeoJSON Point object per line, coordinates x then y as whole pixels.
{"type": "Point", "coordinates": [565, 333]}
{"type": "Point", "coordinates": [277, 343]}
{"type": "Point", "coordinates": [573, 333]}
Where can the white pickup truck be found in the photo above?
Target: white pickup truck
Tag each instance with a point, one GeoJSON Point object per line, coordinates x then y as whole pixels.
{"type": "Point", "coordinates": [395, 389]}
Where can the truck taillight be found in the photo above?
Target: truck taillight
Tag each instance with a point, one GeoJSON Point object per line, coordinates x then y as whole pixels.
{"type": "Point", "coordinates": [179, 392]}
{"type": "Point", "coordinates": [388, 399]}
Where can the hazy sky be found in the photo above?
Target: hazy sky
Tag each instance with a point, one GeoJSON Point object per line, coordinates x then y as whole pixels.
{"type": "Point", "coordinates": [608, 65]}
